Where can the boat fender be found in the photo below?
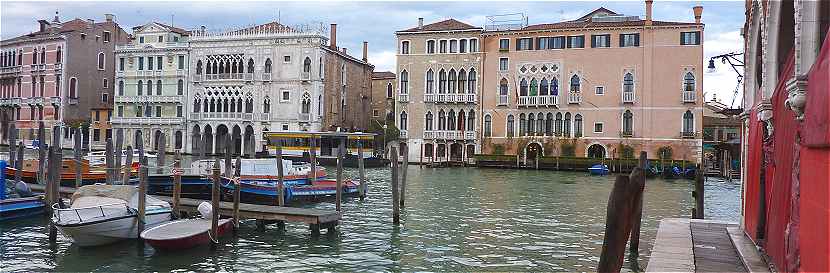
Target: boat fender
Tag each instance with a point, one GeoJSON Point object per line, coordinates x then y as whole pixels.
{"type": "Point", "coordinates": [23, 189]}
{"type": "Point", "coordinates": [289, 192]}
{"type": "Point", "coordinates": [205, 209]}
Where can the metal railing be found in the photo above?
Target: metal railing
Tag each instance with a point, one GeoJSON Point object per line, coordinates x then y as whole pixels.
{"type": "Point", "coordinates": [403, 97]}
{"type": "Point", "coordinates": [574, 97]}
{"type": "Point", "coordinates": [628, 97]}
{"type": "Point", "coordinates": [688, 96]}
{"type": "Point", "coordinates": [548, 100]}
{"type": "Point", "coordinates": [687, 134]}
{"type": "Point", "coordinates": [626, 133]}
{"type": "Point", "coordinates": [91, 213]}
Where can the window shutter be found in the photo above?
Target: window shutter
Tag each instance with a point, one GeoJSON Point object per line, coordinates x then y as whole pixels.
{"type": "Point", "coordinates": [518, 42]}
{"type": "Point", "coordinates": [697, 37]}
{"type": "Point", "coordinates": [622, 40]}
{"type": "Point", "coordinates": [681, 39]}
{"type": "Point", "coordinates": [637, 39]}
{"type": "Point", "coordinates": [593, 41]}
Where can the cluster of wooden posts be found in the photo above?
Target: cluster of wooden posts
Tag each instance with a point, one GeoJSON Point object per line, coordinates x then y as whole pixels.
{"type": "Point", "coordinates": [623, 218]}
{"type": "Point", "coordinates": [398, 182]}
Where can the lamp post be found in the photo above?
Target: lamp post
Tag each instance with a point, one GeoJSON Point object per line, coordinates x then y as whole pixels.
{"type": "Point", "coordinates": [733, 61]}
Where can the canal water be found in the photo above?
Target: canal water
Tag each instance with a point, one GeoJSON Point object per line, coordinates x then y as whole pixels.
{"type": "Point", "coordinates": [455, 219]}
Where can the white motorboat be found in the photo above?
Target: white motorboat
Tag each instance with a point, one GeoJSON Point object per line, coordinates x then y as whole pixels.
{"type": "Point", "coordinates": [100, 157]}
{"type": "Point", "coordinates": [103, 214]}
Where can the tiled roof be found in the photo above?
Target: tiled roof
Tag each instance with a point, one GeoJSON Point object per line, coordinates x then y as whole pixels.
{"type": "Point", "coordinates": [449, 24]}
{"type": "Point", "coordinates": [589, 24]}
{"type": "Point", "coordinates": [599, 10]}
{"type": "Point", "coordinates": [68, 26]}
{"type": "Point", "coordinates": [382, 75]}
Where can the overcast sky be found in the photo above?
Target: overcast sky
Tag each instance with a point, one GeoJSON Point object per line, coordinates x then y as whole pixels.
{"type": "Point", "coordinates": [376, 22]}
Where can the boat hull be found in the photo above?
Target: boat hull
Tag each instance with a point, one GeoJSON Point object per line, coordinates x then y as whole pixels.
{"type": "Point", "coordinates": [266, 193]}
{"type": "Point", "coordinates": [189, 241]}
{"type": "Point", "coordinates": [20, 207]}
{"type": "Point", "coordinates": [110, 230]}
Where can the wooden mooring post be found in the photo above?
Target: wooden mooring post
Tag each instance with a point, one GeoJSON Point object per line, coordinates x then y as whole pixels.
{"type": "Point", "coordinates": [237, 194]}
{"type": "Point", "coordinates": [405, 152]}
{"type": "Point", "coordinates": [177, 182]}
{"type": "Point", "coordinates": [396, 213]}
{"type": "Point", "coordinates": [280, 176]}
{"type": "Point", "coordinates": [228, 160]}
{"type": "Point", "coordinates": [638, 176]}
{"type": "Point", "coordinates": [78, 154]}
{"type": "Point", "coordinates": [12, 145]}
{"type": "Point", "coordinates": [214, 205]}
{"type": "Point", "coordinates": [41, 152]}
{"type": "Point", "coordinates": [312, 156]}
{"type": "Point", "coordinates": [143, 171]}
{"type": "Point", "coordinates": [363, 182]}
{"type": "Point", "coordinates": [18, 164]}
{"type": "Point", "coordinates": [622, 218]}
{"type": "Point", "coordinates": [52, 188]}
{"type": "Point", "coordinates": [110, 162]}
{"type": "Point", "coordinates": [161, 152]}
{"type": "Point", "coordinates": [341, 149]}
{"type": "Point", "coordinates": [699, 194]}
{"type": "Point", "coordinates": [128, 166]}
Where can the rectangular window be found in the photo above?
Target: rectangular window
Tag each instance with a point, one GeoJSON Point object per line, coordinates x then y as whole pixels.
{"type": "Point", "coordinates": [107, 36]}
{"type": "Point", "coordinates": [105, 97]}
{"type": "Point", "coordinates": [504, 44]}
{"type": "Point", "coordinates": [430, 46]}
{"type": "Point", "coordinates": [442, 46]}
{"type": "Point", "coordinates": [453, 46]}
{"type": "Point", "coordinates": [175, 38]}
{"type": "Point", "coordinates": [120, 111]}
{"type": "Point", "coordinates": [286, 59]}
{"type": "Point", "coordinates": [558, 42]}
{"type": "Point", "coordinates": [286, 95]}
{"type": "Point", "coordinates": [524, 44]}
{"type": "Point", "coordinates": [598, 127]}
{"type": "Point", "coordinates": [473, 45]}
{"type": "Point", "coordinates": [97, 115]}
{"type": "Point", "coordinates": [141, 40]}
{"type": "Point", "coordinates": [96, 135]}
{"type": "Point", "coordinates": [690, 38]}
{"type": "Point", "coordinates": [158, 63]}
{"type": "Point", "coordinates": [161, 38]}
{"type": "Point", "coordinates": [576, 41]}
{"type": "Point", "coordinates": [109, 133]}
{"type": "Point", "coordinates": [140, 63]}
{"type": "Point", "coordinates": [598, 41]}
{"type": "Point", "coordinates": [179, 111]}
{"type": "Point", "coordinates": [285, 127]}
{"type": "Point", "coordinates": [106, 83]}
{"type": "Point", "coordinates": [150, 63]}
{"type": "Point", "coordinates": [375, 113]}
{"type": "Point", "coordinates": [600, 90]}
{"type": "Point", "coordinates": [462, 46]}
{"type": "Point", "coordinates": [503, 64]}
{"type": "Point", "coordinates": [181, 61]}
{"type": "Point", "coordinates": [158, 111]}
{"type": "Point", "coordinates": [138, 111]}
{"type": "Point", "coordinates": [120, 64]}
{"type": "Point", "coordinates": [628, 40]}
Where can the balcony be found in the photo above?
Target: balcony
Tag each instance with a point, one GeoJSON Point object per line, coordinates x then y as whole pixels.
{"type": "Point", "coordinates": [263, 117]}
{"type": "Point", "coordinates": [689, 96]}
{"type": "Point", "coordinates": [404, 134]}
{"type": "Point", "coordinates": [181, 73]}
{"type": "Point", "coordinates": [148, 121]}
{"type": "Point", "coordinates": [266, 77]}
{"type": "Point", "coordinates": [430, 97]}
{"type": "Point", "coordinates": [198, 78]}
{"type": "Point", "coordinates": [58, 66]}
{"type": "Point", "coordinates": [503, 99]}
{"type": "Point", "coordinates": [537, 101]}
{"type": "Point", "coordinates": [450, 135]}
{"type": "Point", "coordinates": [151, 99]}
{"type": "Point", "coordinates": [11, 71]}
{"type": "Point", "coordinates": [628, 97]}
{"type": "Point", "coordinates": [575, 97]}
{"type": "Point", "coordinates": [450, 98]}
{"type": "Point", "coordinates": [305, 117]}
{"type": "Point", "coordinates": [687, 134]}
{"type": "Point", "coordinates": [305, 76]}
{"type": "Point", "coordinates": [249, 77]}
{"type": "Point", "coordinates": [54, 100]}
{"type": "Point", "coordinates": [223, 116]}
{"type": "Point", "coordinates": [627, 134]}
{"type": "Point", "coordinates": [119, 74]}
{"type": "Point", "coordinates": [224, 76]}
{"type": "Point", "coordinates": [158, 73]}
{"type": "Point", "coordinates": [403, 98]}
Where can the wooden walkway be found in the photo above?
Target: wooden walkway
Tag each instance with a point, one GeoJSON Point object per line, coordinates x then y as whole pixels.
{"type": "Point", "coordinates": [691, 245]}
{"type": "Point", "coordinates": [316, 219]}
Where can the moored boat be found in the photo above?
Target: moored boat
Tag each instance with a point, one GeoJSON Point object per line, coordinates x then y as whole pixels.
{"type": "Point", "coordinates": [103, 214]}
{"type": "Point", "coordinates": [184, 234]}
{"type": "Point", "coordinates": [598, 169]}
{"type": "Point", "coordinates": [89, 175]}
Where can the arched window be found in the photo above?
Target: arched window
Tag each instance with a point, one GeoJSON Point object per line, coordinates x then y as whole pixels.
{"type": "Point", "coordinates": [180, 87]}
{"type": "Point", "coordinates": [101, 60]}
{"type": "Point", "coordinates": [120, 88]}
{"type": "Point", "coordinates": [442, 82]}
{"type": "Point", "coordinates": [510, 125]}
{"type": "Point", "coordinates": [268, 66]}
{"type": "Point", "coordinates": [628, 83]}
{"type": "Point", "coordinates": [197, 105]}
{"type": "Point", "coordinates": [225, 106]}
{"type": "Point", "coordinates": [452, 77]}
{"type": "Point", "coordinates": [543, 87]}
{"type": "Point", "coordinates": [306, 104]}
{"type": "Point", "coordinates": [43, 55]}
{"type": "Point", "coordinates": [73, 88]}
{"type": "Point", "coordinates": [205, 108]}
{"type": "Point", "coordinates": [199, 67]}
{"type": "Point", "coordinates": [389, 92]}
{"type": "Point", "coordinates": [488, 125]}
{"type": "Point", "coordinates": [688, 122]}
{"type": "Point", "coordinates": [179, 139]}
{"type": "Point", "coordinates": [471, 120]}
{"type": "Point", "coordinates": [430, 81]}
{"type": "Point", "coordinates": [540, 124]}
{"type": "Point", "coordinates": [266, 105]}
{"type": "Point", "coordinates": [451, 120]}
{"type": "Point", "coordinates": [442, 120]}
{"type": "Point", "coordinates": [249, 105]}
{"type": "Point", "coordinates": [522, 124]}
{"type": "Point", "coordinates": [549, 124]}
{"type": "Point", "coordinates": [430, 46]}
{"type": "Point", "coordinates": [34, 56]}
{"type": "Point", "coordinates": [428, 119]}
{"type": "Point", "coordinates": [405, 47]}
{"type": "Point", "coordinates": [554, 87]}
{"type": "Point", "coordinates": [58, 59]}
{"type": "Point", "coordinates": [471, 81]}
{"type": "Point", "coordinates": [140, 88]}
{"type": "Point", "coordinates": [567, 126]}
{"type": "Point", "coordinates": [403, 121]}
{"type": "Point", "coordinates": [531, 124]}
{"type": "Point", "coordinates": [307, 65]}
{"type": "Point", "coordinates": [158, 88]}
{"type": "Point", "coordinates": [149, 87]}
{"type": "Point", "coordinates": [575, 84]}
{"type": "Point", "coordinates": [462, 81]}
{"type": "Point", "coordinates": [534, 87]}
{"type": "Point", "coordinates": [250, 65]}
{"type": "Point", "coordinates": [578, 125]}
{"type": "Point", "coordinates": [558, 123]}
{"type": "Point", "coordinates": [404, 82]}
{"type": "Point", "coordinates": [628, 123]}
{"type": "Point", "coordinates": [523, 87]}
{"type": "Point", "coordinates": [503, 87]}
{"type": "Point", "coordinates": [233, 105]}
{"type": "Point", "coordinates": [689, 82]}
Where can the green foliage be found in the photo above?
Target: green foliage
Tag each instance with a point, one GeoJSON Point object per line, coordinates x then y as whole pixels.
{"type": "Point", "coordinates": [664, 152]}
{"type": "Point", "coordinates": [389, 135]}
{"type": "Point", "coordinates": [568, 148]}
{"type": "Point", "coordinates": [625, 151]}
{"type": "Point", "coordinates": [498, 149]}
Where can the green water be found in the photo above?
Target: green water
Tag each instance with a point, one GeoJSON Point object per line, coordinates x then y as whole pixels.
{"type": "Point", "coordinates": [457, 219]}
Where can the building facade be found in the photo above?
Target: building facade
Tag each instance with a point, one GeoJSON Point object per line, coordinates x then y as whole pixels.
{"type": "Point", "coordinates": [57, 75]}
{"type": "Point", "coordinates": [439, 79]}
{"type": "Point", "coordinates": [151, 86]}
{"type": "Point", "coordinates": [594, 86]}
{"type": "Point", "coordinates": [347, 84]}
{"type": "Point", "coordinates": [383, 96]}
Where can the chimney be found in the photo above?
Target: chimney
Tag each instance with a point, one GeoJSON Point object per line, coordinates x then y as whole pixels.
{"type": "Point", "coordinates": [109, 17]}
{"type": "Point", "coordinates": [365, 51]}
{"type": "Point", "coordinates": [344, 51]}
{"type": "Point", "coordinates": [333, 36]}
{"type": "Point", "coordinates": [649, 4]}
{"type": "Point", "coordinates": [421, 23]}
{"type": "Point", "coordinates": [90, 23]}
{"type": "Point", "coordinates": [698, 12]}
{"type": "Point", "coordinates": [43, 25]}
